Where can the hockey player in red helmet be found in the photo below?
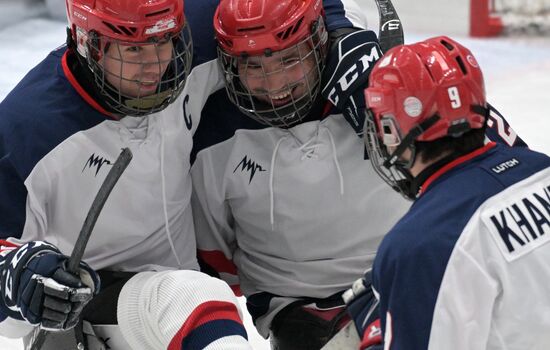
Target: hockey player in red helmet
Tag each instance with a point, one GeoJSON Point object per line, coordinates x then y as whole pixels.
{"type": "Point", "coordinates": [272, 54]}
{"type": "Point", "coordinates": [277, 209]}
{"type": "Point", "coordinates": [117, 84]}
{"type": "Point", "coordinates": [468, 260]}
{"type": "Point", "coordinates": [448, 101]}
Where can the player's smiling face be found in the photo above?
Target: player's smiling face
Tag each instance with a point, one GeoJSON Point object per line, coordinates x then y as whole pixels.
{"type": "Point", "coordinates": [136, 71]}
{"type": "Point", "coordinates": [281, 78]}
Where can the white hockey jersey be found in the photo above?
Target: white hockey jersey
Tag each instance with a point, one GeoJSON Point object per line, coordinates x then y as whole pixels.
{"type": "Point", "coordinates": [64, 155]}
{"type": "Point", "coordinates": [299, 212]}
{"type": "Point", "coordinates": [152, 227]}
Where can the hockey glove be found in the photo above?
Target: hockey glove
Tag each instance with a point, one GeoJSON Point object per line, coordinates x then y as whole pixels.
{"type": "Point", "coordinates": [362, 306]}
{"type": "Point", "coordinates": [350, 60]}
{"type": "Point", "coordinates": [35, 284]}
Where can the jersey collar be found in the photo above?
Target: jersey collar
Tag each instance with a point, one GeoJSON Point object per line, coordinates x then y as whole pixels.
{"type": "Point", "coordinates": [454, 164]}
{"type": "Point", "coordinates": [79, 89]}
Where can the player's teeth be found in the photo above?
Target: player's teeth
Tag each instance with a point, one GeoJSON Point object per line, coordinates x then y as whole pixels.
{"type": "Point", "coordinates": [280, 97]}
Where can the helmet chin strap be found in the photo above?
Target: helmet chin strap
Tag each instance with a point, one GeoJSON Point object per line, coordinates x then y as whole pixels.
{"type": "Point", "coordinates": [404, 186]}
{"type": "Point", "coordinates": [408, 185]}
{"type": "Point", "coordinates": [408, 142]}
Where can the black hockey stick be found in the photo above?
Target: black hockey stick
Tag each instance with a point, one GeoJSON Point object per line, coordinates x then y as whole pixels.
{"type": "Point", "coordinates": [97, 205]}
{"type": "Point", "coordinates": [391, 30]}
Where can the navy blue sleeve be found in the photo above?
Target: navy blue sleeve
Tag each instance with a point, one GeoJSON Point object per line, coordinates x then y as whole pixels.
{"type": "Point", "coordinates": [37, 115]}
{"type": "Point", "coordinates": [200, 16]}
{"type": "Point", "coordinates": [336, 15]}
{"type": "Point", "coordinates": [13, 196]}
{"type": "Point", "coordinates": [408, 293]}
{"type": "Point", "coordinates": [499, 130]}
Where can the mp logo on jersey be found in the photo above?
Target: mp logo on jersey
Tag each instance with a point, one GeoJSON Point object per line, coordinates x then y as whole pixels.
{"type": "Point", "coordinates": [248, 165]}
{"type": "Point", "coordinates": [522, 222]}
{"type": "Point", "coordinates": [96, 162]}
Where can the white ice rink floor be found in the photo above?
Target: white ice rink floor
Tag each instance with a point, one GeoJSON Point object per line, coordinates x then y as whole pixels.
{"type": "Point", "coordinates": [517, 75]}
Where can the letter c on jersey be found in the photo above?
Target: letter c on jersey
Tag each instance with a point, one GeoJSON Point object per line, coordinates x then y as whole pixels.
{"type": "Point", "coordinates": [187, 117]}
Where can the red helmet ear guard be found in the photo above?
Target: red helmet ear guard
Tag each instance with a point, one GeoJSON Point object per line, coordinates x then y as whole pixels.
{"type": "Point", "coordinates": [261, 26]}
{"type": "Point", "coordinates": [434, 77]}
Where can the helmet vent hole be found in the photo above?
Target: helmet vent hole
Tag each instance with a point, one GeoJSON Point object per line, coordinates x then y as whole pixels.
{"type": "Point", "coordinates": [157, 13]}
{"type": "Point", "coordinates": [461, 65]}
{"type": "Point", "coordinates": [127, 30]}
{"type": "Point", "coordinates": [284, 34]}
{"type": "Point", "coordinates": [447, 45]}
{"type": "Point", "coordinates": [297, 26]}
{"type": "Point", "coordinates": [121, 30]}
{"type": "Point", "coordinates": [290, 30]}
{"type": "Point", "coordinates": [112, 27]}
{"type": "Point", "coordinates": [249, 29]}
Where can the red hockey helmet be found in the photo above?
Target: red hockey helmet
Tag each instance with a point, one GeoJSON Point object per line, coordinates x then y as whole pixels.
{"type": "Point", "coordinates": [421, 92]}
{"type": "Point", "coordinates": [136, 21]}
{"type": "Point", "coordinates": [253, 26]}
{"type": "Point", "coordinates": [414, 82]}
{"type": "Point", "coordinates": [280, 29]}
{"type": "Point", "coordinates": [97, 25]}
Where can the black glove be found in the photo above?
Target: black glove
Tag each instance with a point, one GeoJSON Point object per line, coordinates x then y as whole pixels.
{"type": "Point", "coordinates": [350, 60]}
{"type": "Point", "coordinates": [36, 284]}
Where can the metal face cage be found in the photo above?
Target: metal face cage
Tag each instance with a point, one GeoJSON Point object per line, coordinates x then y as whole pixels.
{"type": "Point", "coordinates": [138, 79]}
{"type": "Point", "coordinates": [278, 88]}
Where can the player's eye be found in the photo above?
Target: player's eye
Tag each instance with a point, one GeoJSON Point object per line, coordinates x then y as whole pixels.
{"type": "Point", "coordinates": [133, 49]}
{"type": "Point", "coordinates": [253, 65]}
{"type": "Point", "coordinates": [290, 61]}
